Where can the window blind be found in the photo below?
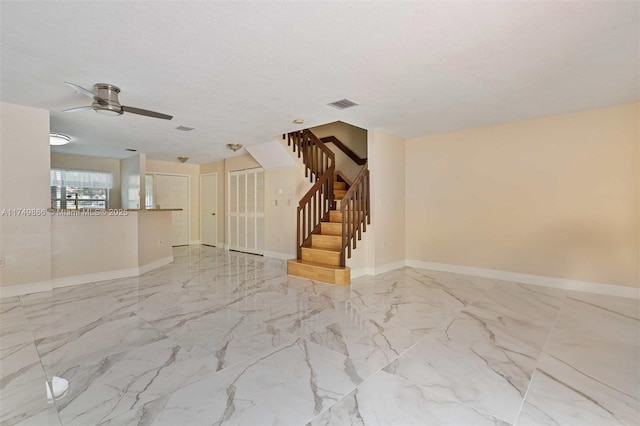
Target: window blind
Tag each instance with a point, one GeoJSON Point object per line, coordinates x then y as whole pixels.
{"type": "Point", "coordinates": [81, 178]}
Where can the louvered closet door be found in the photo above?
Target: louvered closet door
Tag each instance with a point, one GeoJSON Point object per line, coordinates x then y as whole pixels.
{"type": "Point", "coordinates": [246, 211]}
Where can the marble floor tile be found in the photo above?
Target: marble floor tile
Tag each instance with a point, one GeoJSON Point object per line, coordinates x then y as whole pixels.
{"type": "Point", "coordinates": [22, 384]}
{"type": "Point", "coordinates": [223, 337]}
{"type": "Point", "coordinates": [486, 355]}
{"type": "Point", "coordinates": [14, 328]}
{"type": "Point", "coordinates": [365, 340]}
{"type": "Point", "coordinates": [46, 417]}
{"type": "Point", "coordinates": [210, 401]}
{"type": "Point", "coordinates": [108, 335]}
{"type": "Point", "coordinates": [464, 288]}
{"type": "Point", "coordinates": [104, 387]}
{"type": "Point", "coordinates": [65, 313]}
{"type": "Point", "coordinates": [589, 373]}
{"type": "Point", "coordinates": [293, 384]}
{"type": "Point", "coordinates": [562, 395]}
{"type": "Point", "coordinates": [385, 399]}
{"type": "Point", "coordinates": [219, 337]}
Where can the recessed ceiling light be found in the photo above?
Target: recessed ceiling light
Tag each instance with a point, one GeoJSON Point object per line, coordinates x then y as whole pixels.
{"type": "Point", "coordinates": [132, 150]}
{"type": "Point", "coordinates": [298, 121]}
{"type": "Point", "coordinates": [58, 139]}
{"type": "Point", "coordinates": [184, 128]}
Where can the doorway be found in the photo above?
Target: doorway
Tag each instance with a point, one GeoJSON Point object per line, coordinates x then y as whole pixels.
{"type": "Point", "coordinates": [246, 211]}
{"type": "Point", "coordinates": [209, 209]}
{"type": "Point", "coordinates": [172, 192]}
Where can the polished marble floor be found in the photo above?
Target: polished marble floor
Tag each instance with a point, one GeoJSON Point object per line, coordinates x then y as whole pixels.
{"type": "Point", "coordinates": [226, 338]}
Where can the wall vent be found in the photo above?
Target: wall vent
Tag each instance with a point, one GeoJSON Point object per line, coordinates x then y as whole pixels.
{"type": "Point", "coordinates": [343, 104]}
{"type": "Point", "coordinates": [184, 128]}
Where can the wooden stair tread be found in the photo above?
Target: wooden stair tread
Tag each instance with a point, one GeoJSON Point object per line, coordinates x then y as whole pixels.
{"type": "Point", "coordinates": [338, 275]}
{"type": "Point", "coordinates": [318, 265]}
{"type": "Point", "coordinates": [328, 250]}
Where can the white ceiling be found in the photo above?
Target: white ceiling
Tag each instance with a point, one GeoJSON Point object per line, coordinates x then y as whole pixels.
{"type": "Point", "coordinates": [243, 71]}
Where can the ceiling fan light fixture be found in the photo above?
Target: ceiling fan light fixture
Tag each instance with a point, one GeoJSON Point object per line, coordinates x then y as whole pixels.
{"type": "Point", "coordinates": [57, 139]}
{"type": "Point", "coordinates": [107, 111]}
{"type": "Point", "coordinates": [234, 146]}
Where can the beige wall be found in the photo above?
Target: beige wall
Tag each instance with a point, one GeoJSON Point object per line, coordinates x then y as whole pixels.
{"type": "Point", "coordinates": [154, 236]}
{"type": "Point", "coordinates": [353, 137]}
{"type": "Point", "coordinates": [84, 162]}
{"type": "Point", "coordinates": [84, 245]}
{"type": "Point", "coordinates": [193, 171]}
{"type": "Point", "coordinates": [280, 210]}
{"type": "Point", "coordinates": [556, 196]}
{"type": "Point", "coordinates": [25, 241]}
{"type": "Point", "coordinates": [387, 165]}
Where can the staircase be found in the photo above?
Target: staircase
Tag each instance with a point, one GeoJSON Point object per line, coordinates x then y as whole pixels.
{"type": "Point", "coordinates": [331, 217]}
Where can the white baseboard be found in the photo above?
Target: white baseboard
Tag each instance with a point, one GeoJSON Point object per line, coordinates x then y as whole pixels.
{"type": "Point", "coordinates": [94, 277]}
{"type": "Point", "coordinates": [377, 270]}
{"type": "Point", "coordinates": [28, 288]}
{"type": "Point", "coordinates": [276, 255]}
{"type": "Point", "coordinates": [22, 289]}
{"type": "Point", "coordinates": [561, 283]}
{"type": "Point", "coordinates": [154, 265]}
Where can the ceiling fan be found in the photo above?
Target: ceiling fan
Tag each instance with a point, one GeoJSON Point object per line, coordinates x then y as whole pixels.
{"type": "Point", "coordinates": [105, 101]}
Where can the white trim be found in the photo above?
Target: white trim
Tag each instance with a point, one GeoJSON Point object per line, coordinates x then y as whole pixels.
{"type": "Point", "coordinates": [155, 265]}
{"type": "Point", "coordinates": [94, 277]}
{"type": "Point", "coordinates": [562, 283]}
{"type": "Point", "coordinates": [245, 172]}
{"type": "Point", "coordinates": [276, 255]}
{"type": "Point", "coordinates": [21, 289]}
{"type": "Point", "coordinates": [377, 270]}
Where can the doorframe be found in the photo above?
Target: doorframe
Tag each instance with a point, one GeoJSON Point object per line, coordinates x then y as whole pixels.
{"type": "Point", "coordinates": [217, 208]}
{"type": "Point", "coordinates": [188, 198]}
{"type": "Point", "coordinates": [227, 218]}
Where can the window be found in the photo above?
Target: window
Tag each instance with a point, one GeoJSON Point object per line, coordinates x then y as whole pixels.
{"type": "Point", "coordinates": [148, 192]}
{"type": "Point", "coordinates": [80, 189]}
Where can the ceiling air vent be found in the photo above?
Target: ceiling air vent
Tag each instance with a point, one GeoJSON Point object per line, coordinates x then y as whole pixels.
{"type": "Point", "coordinates": [184, 128]}
{"type": "Point", "coordinates": [343, 104]}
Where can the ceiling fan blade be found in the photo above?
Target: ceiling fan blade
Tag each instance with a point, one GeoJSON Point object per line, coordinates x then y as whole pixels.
{"type": "Point", "coordinates": [78, 109]}
{"type": "Point", "coordinates": [82, 90]}
{"type": "Point", "coordinates": [146, 112]}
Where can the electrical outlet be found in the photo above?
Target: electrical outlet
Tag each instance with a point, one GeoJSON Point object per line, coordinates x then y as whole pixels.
{"type": "Point", "coordinates": [1, 261]}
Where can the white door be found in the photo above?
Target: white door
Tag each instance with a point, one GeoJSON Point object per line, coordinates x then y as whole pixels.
{"type": "Point", "coordinates": [172, 192]}
{"type": "Point", "coordinates": [208, 209]}
{"type": "Point", "coordinates": [246, 211]}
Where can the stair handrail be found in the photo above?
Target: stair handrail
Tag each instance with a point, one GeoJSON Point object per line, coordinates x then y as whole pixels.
{"type": "Point", "coordinates": [348, 152]}
{"type": "Point", "coordinates": [355, 209]}
{"type": "Point", "coordinates": [316, 156]}
{"type": "Point", "coordinates": [315, 205]}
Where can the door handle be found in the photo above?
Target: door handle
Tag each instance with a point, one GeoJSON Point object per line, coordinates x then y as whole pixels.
{"type": "Point", "coordinates": [213, 214]}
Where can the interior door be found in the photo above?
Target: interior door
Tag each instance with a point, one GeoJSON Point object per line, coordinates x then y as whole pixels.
{"type": "Point", "coordinates": [208, 209]}
{"type": "Point", "coordinates": [246, 211]}
{"type": "Point", "coordinates": [172, 192]}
